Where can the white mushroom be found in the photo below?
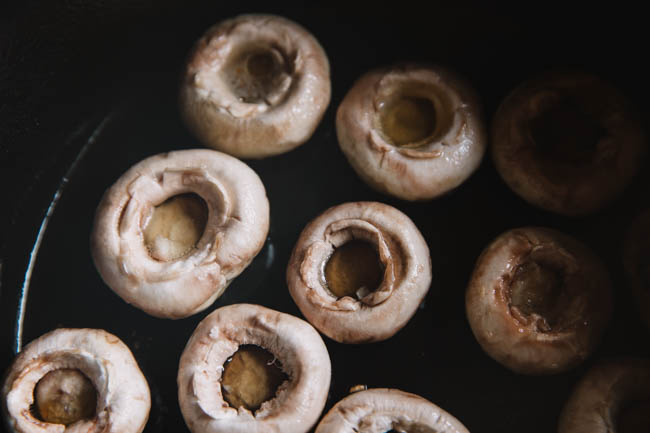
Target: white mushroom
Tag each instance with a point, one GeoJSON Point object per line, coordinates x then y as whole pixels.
{"type": "Point", "coordinates": [255, 86]}
{"type": "Point", "coordinates": [382, 410]}
{"type": "Point", "coordinates": [636, 260]}
{"type": "Point", "coordinates": [411, 131]}
{"type": "Point", "coordinates": [538, 301]}
{"type": "Point", "coordinates": [296, 404]}
{"type": "Point", "coordinates": [359, 271]}
{"type": "Point", "coordinates": [153, 251]}
{"type": "Point", "coordinates": [567, 142]}
{"type": "Point", "coordinates": [76, 380]}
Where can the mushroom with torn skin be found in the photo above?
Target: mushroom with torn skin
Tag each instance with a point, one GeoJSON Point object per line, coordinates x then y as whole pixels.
{"type": "Point", "coordinates": [176, 228]}
{"type": "Point", "coordinates": [413, 132]}
{"type": "Point", "coordinates": [249, 369]}
{"type": "Point", "coordinates": [388, 410]}
{"type": "Point", "coordinates": [76, 380]}
{"type": "Point", "coordinates": [255, 86]}
{"type": "Point", "coordinates": [538, 301]}
{"type": "Point", "coordinates": [567, 142]}
{"type": "Point", "coordinates": [613, 397]}
{"type": "Point", "coordinates": [359, 271]}
{"type": "Point", "coordinates": [636, 261]}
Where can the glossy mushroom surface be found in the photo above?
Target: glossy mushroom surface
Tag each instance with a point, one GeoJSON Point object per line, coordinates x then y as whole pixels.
{"type": "Point", "coordinates": [176, 228]}
{"type": "Point", "coordinates": [338, 295]}
{"type": "Point", "coordinates": [538, 301]}
{"type": "Point", "coordinates": [413, 132]}
{"type": "Point", "coordinates": [613, 397]}
{"type": "Point", "coordinates": [295, 404]}
{"type": "Point", "coordinates": [255, 86]}
{"type": "Point", "coordinates": [636, 261]}
{"type": "Point", "coordinates": [567, 142]}
{"type": "Point", "coordinates": [76, 380]}
{"type": "Point", "coordinates": [388, 410]}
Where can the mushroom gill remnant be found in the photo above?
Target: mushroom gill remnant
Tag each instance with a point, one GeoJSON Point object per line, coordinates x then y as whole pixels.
{"type": "Point", "coordinates": [65, 396]}
{"type": "Point", "coordinates": [407, 121]}
{"type": "Point", "coordinates": [354, 269]}
{"type": "Point", "coordinates": [259, 75]}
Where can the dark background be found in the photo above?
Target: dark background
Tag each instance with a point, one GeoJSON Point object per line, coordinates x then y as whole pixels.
{"type": "Point", "coordinates": [70, 70]}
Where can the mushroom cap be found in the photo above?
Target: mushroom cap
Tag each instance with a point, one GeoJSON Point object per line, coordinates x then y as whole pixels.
{"type": "Point", "coordinates": [435, 166]}
{"type": "Point", "coordinates": [286, 119]}
{"type": "Point", "coordinates": [636, 261]}
{"type": "Point", "coordinates": [567, 187]}
{"type": "Point", "coordinates": [123, 399]}
{"type": "Point", "coordinates": [235, 231]}
{"type": "Point", "coordinates": [379, 314]}
{"type": "Point", "coordinates": [599, 397]}
{"type": "Point", "coordinates": [515, 340]}
{"type": "Point", "coordinates": [299, 400]}
{"type": "Point", "coordinates": [379, 410]}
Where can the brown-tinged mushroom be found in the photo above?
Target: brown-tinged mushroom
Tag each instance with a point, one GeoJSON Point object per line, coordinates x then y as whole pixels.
{"type": "Point", "coordinates": [388, 410]}
{"type": "Point", "coordinates": [636, 261]}
{"type": "Point", "coordinates": [567, 142]}
{"type": "Point", "coordinates": [76, 380]}
{"type": "Point", "coordinates": [410, 131]}
{"type": "Point", "coordinates": [613, 397]}
{"type": "Point", "coordinates": [538, 300]}
{"type": "Point", "coordinates": [255, 86]}
{"type": "Point", "coordinates": [359, 271]}
{"type": "Point", "coordinates": [228, 378]}
{"type": "Point", "coordinates": [176, 228]}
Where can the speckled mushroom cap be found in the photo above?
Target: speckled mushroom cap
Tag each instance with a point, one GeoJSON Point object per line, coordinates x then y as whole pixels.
{"type": "Point", "coordinates": [123, 399]}
{"type": "Point", "coordinates": [380, 314]}
{"type": "Point", "coordinates": [228, 108]}
{"type": "Point", "coordinates": [298, 402]}
{"type": "Point", "coordinates": [421, 170]}
{"type": "Point", "coordinates": [380, 410]}
{"type": "Point", "coordinates": [236, 228]}
{"type": "Point", "coordinates": [532, 342]}
{"type": "Point", "coordinates": [636, 261]}
{"type": "Point", "coordinates": [573, 182]}
{"type": "Point", "coordinates": [604, 393]}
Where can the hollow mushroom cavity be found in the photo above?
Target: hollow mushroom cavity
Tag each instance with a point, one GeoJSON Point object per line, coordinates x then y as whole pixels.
{"type": "Point", "coordinates": [636, 261]}
{"type": "Point", "coordinates": [255, 86]}
{"type": "Point", "coordinates": [359, 271]}
{"type": "Point", "coordinates": [385, 411]}
{"type": "Point", "coordinates": [250, 369]}
{"type": "Point", "coordinates": [74, 380]}
{"type": "Point", "coordinates": [538, 301]}
{"type": "Point", "coordinates": [411, 131]}
{"type": "Point", "coordinates": [567, 142]}
{"type": "Point", "coordinates": [176, 228]}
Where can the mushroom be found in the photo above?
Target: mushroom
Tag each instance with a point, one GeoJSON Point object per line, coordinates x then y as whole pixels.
{"type": "Point", "coordinates": [388, 410]}
{"type": "Point", "coordinates": [255, 86]}
{"type": "Point", "coordinates": [538, 301]}
{"type": "Point", "coordinates": [249, 369]}
{"type": "Point", "coordinates": [636, 261]}
{"type": "Point", "coordinates": [176, 228]}
{"type": "Point", "coordinates": [567, 142]}
{"type": "Point", "coordinates": [613, 397]}
{"type": "Point", "coordinates": [359, 271]}
{"type": "Point", "coordinates": [76, 380]}
{"type": "Point", "coordinates": [410, 131]}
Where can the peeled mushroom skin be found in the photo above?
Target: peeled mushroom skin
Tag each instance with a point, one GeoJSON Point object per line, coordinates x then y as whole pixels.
{"type": "Point", "coordinates": [217, 396]}
{"type": "Point", "coordinates": [410, 131]}
{"type": "Point", "coordinates": [636, 261]}
{"type": "Point", "coordinates": [175, 229]}
{"type": "Point", "coordinates": [567, 142]}
{"type": "Point", "coordinates": [538, 301]}
{"type": "Point", "coordinates": [76, 380]}
{"type": "Point", "coordinates": [359, 271]}
{"type": "Point", "coordinates": [612, 397]}
{"type": "Point", "coordinates": [388, 410]}
{"type": "Point", "coordinates": [255, 86]}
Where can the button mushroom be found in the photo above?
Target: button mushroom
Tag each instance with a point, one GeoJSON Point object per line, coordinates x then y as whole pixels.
{"type": "Point", "coordinates": [359, 271]}
{"type": "Point", "coordinates": [388, 410]}
{"type": "Point", "coordinates": [636, 260]}
{"type": "Point", "coordinates": [567, 142]}
{"type": "Point", "coordinates": [176, 228]}
{"type": "Point", "coordinates": [411, 131]}
{"type": "Point", "coordinates": [76, 380]}
{"type": "Point", "coordinates": [250, 369]}
{"type": "Point", "coordinates": [613, 397]}
{"type": "Point", "coordinates": [255, 86]}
